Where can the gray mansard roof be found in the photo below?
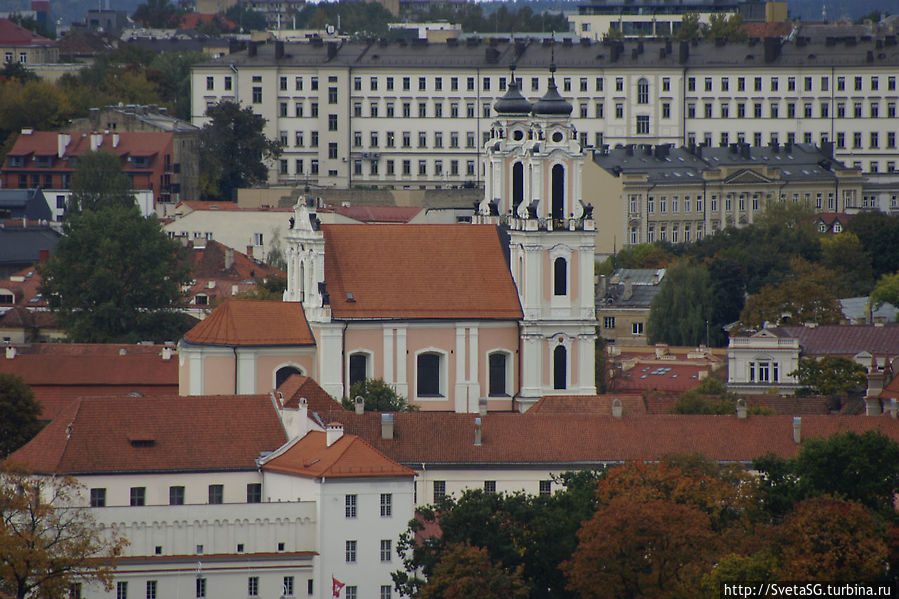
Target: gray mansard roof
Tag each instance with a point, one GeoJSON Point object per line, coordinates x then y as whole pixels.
{"type": "Point", "coordinates": [849, 50]}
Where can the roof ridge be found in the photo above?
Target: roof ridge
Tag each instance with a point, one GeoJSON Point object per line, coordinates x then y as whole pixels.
{"type": "Point", "coordinates": [352, 439]}
{"type": "Point", "coordinates": [65, 448]}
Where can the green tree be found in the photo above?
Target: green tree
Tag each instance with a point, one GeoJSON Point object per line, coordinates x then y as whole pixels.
{"type": "Point", "coordinates": [726, 28]}
{"type": "Point", "coordinates": [246, 18]}
{"type": "Point", "coordinates": [710, 397]}
{"type": "Point", "coordinates": [688, 29]}
{"type": "Point", "coordinates": [466, 571]}
{"type": "Point", "coordinates": [98, 183]}
{"type": "Point", "coordinates": [879, 234]}
{"type": "Point", "coordinates": [19, 414]}
{"type": "Point", "coordinates": [45, 547]}
{"type": "Point", "coordinates": [170, 71]}
{"type": "Point", "coordinates": [830, 375]}
{"type": "Point", "coordinates": [862, 468]}
{"type": "Point", "coordinates": [116, 277]}
{"type": "Point", "coordinates": [377, 396]}
{"type": "Point", "coordinates": [233, 150]}
{"type": "Point", "coordinates": [844, 256]}
{"type": "Point", "coordinates": [157, 13]}
{"type": "Point", "coordinates": [734, 568]}
{"type": "Point", "coordinates": [886, 291]}
{"type": "Point", "coordinates": [682, 307]}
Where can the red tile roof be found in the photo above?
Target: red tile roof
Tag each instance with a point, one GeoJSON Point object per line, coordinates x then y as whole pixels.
{"type": "Point", "coordinates": [348, 457]}
{"type": "Point", "coordinates": [845, 340]}
{"type": "Point", "coordinates": [379, 214]}
{"type": "Point", "coordinates": [600, 405]}
{"type": "Point", "coordinates": [23, 285]}
{"type": "Point", "coordinates": [556, 440]}
{"type": "Point", "coordinates": [253, 322]}
{"type": "Point", "coordinates": [130, 143]}
{"type": "Point", "coordinates": [666, 378]}
{"type": "Point", "coordinates": [317, 399]}
{"type": "Point", "coordinates": [207, 259]}
{"type": "Point", "coordinates": [14, 35]}
{"type": "Point", "coordinates": [194, 20]}
{"type": "Point", "coordinates": [196, 433]}
{"type": "Point", "coordinates": [60, 372]}
{"type": "Point", "coordinates": [418, 271]}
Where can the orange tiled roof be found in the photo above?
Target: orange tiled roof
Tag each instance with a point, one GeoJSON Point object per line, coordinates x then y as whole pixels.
{"type": "Point", "coordinates": [667, 378]}
{"type": "Point", "coordinates": [253, 322]}
{"type": "Point", "coordinates": [379, 214]}
{"type": "Point", "coordinates": [348, 457]}
{"type": "Point", "coordinates": [558, 440]}
{"type": "Point", "coordinates": [418, 271]}
{"type": "Point", "coordinates": [317, 399]}
{"type": "Point", "coordinates": [134, 143]}
{"type": "Point", "coordinates": [14, 35]}
{"type": "Point", "coordinates": [193, 433]}
{"type": "Point", "coordinates": [24, 287]}
{"type": "Point", "coordinates": [632, 405]}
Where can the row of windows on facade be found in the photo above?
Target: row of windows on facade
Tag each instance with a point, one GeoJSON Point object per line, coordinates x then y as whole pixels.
{"type": "Point", "coordinates": [582, 84]}
{"type": "Point", "coordinates": [764, 372]}
{"type": "Point", "coordinates": [23, 57]}
{"type": "Point", "coordinates": [374, 169]}
{"type": "Point", "coordinates": [253, 588]}
{"type": "Point", "coordinates": [138, 495]}
{"type": "Point", "coordinates": [439, 488]}
{"type": "Point", "coordinates": [385, 554]}
{"type": "Point", "coordinates": [791, 110]}
{"type": "Point", "coordinates": [608, 322]}
{"type": "Point", "coordinates": [743, 201]}
{"type": "Point", "coordinates": [391, 139]}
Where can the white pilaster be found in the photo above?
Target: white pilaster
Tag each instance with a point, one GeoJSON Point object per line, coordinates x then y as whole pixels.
{"type": "Point", "coordinates": [246, 372]}
{"type": "Point", "coordinates": [402, 378]}
{"type": "Point", "coordinates": [330, 343]}
{"type": "Point", "coordinates": [388, 355]}
{"type": "Point", "coordinates": [460, 399]}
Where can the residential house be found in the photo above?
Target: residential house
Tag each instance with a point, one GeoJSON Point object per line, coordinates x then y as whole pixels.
{"type": "Point", "coordinates": [28, 204]}
{"type": "Point", "coordinates": [47, 159]}
{"type": "Point", "coordinates": [623, 302]}
{"type": "Point", "coordinates": [766, 359]}
{"type": "Point", "coordinates": [277, 509]}
{"type": "Point", "coordinates": [832, 223]}
{"type": "Point", "coordinates": [857, 310]}
{"type": "Point", "coordinates": [21, 45]}
{"type": "Point", "coordinates": [184, 174]}
{"type": "Point", "coordinates": [24, 243]}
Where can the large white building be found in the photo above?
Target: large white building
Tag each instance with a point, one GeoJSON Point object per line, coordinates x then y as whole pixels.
{"type": "Point", "coordinates": [419, 115]}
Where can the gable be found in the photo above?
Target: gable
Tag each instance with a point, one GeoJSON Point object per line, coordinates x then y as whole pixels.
{"type": "Point", "coordinates": [746, 176]}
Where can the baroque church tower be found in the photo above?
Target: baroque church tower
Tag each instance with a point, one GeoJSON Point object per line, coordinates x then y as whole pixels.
{"type": "Point", "coordinates": [533, 190]}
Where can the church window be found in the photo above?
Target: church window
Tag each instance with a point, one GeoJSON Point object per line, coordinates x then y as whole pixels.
{"type": "Point", "coordinates": [497, 368]}
{"type": "Point", "coordinates": [560, 276]}
{"type": "Point", "coordinates": [517, 184]}
{"type": "Point", "coordinates": [283, 373]}
{"type": "Point", "coordinates": [358, 368]}
{"type": "Point", "coordinates": [560, 366]}
{"type": "Point", "coordinates": [558, 192]}
{"type": "Point", "coordinates": [428, 375]}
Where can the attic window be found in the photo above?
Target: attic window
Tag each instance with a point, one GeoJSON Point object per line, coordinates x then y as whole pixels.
{"type": "Point", "coordinates": [143, 442]}
{"type": "Point", "coordinates": [350, 297]}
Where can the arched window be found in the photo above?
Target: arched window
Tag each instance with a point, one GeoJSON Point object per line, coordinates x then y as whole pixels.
{"type": "Point", "coordinates": [358, 368]}
{"type": "Point", "coordinates": [560, 367]}
{"type": "Point", "coordinates": [284, 373]}
{"type": "Point", "coordinates": [560, 277]}
{"type": "Point", "coordinates": [642, 91]}
{"type": "Point", "coordinates": [497, 372]}
{"type": "Point", "coordinates": [517, 185]}
{"type": "Point", "coordinates": [558, 192]}
{"type": "Point", "coordinates": [302, 282]}
{"type": "Point", "coordinates": [428, 375]}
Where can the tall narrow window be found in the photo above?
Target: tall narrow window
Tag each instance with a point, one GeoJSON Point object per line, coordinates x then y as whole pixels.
{"type": "Point", "coordinates": [560, 366]}
{"type": "Point", "coordinates": [497, 374]}
{"type": "Point", "coordinates": [358, 368]}
{"type": "Point", "coordinates": [428, 374]}
{"type": "Point", "coordinates": [642, 91]}
{"type": "Point", "coordinates": [558, 192]}
{"type": "Point", "coordinates": [560, 276]}
{"type": "Point", "coordinates": [517, 185]}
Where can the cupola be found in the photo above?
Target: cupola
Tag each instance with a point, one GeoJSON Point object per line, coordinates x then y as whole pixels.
{"type": "Point", "coordinates": [552, 104]}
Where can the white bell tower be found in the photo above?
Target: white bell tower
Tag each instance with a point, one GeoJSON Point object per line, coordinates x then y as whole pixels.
{"type": "Point", "coordinates": [533, 189]}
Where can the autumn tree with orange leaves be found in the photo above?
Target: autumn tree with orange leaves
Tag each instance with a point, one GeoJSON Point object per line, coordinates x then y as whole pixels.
{"type": "Point", "coordinates": [466, 571]}
{"type": "Point", "coordinates": [46, 544]}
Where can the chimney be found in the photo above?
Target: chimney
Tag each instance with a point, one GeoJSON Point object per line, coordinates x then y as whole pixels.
{"type": "Point", "coordinates": [115, 140]}
{"type": "Point", "coordinates": [166, 353]}
{"type": "Point", "coordinates": [10, 352]}
{"type": "Point", "coordinates": [482, 406]}
{"type": "Point", "coordinates": [359, 405]}
{"type": "Point", "coordinates": [628, 290]}
{"type": "Point", "coordinates": [891, 408]}
{"type": "Point", "coordinates": [251, 49]}
{"type": "Point", "coordinates": [334, 433]}
{"type": "Point", "coordinates": [332, 50]}
{"type": "Point", "coordinates": [797, 429]}
{"type": "Point", "coordinates": [683, 52]}
{"type": "Point", "coordinates": [477, 432]}
{"type": "Point", "coordinates": [387, 425]}
{"type": "Point", "coordinates": [741, 408]}
{"type": "Point", "coordinates": [43, 255]}
{"type": "Point", "coordinates": [250, 252]}
{"type": "Point", "coordinates": [62, 142]}
{"type": "Point", "coordinates": [229, 258]}
{"type": "Point", "coordinates": [279, 49]}
{"type": "Point", "coordinates": [617, 408]}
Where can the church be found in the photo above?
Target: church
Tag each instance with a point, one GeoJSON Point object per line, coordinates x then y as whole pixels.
{"type": "Point", "coordinates": [500, 309]}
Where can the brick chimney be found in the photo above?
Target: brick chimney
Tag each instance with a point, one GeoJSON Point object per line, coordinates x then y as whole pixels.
{"type": "Point", "coordinates": [229, 258]}
{"type": "Point", "coordinates": [250, 251]}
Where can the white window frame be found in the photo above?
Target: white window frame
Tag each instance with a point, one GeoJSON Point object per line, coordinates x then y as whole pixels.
{"type": "Point", "coordinates": [443, 390]}
{"type": "Point", "coordinates": [509, 370]}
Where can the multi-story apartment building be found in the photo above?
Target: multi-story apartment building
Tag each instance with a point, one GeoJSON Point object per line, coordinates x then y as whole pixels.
{"type": "Point", "coordinates": [418, 115]}
{"type": "Point", "coordinates": [681, 194]}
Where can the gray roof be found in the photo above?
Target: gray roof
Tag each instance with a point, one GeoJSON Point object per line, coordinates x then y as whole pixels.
{"type": "Point", "coordinates": [20, 247]}
{"type": "Point", "coordinates": [856, 308]}
{"type": "Point", "coordinates": [661, 164]}
{"type": "Point", "coordinates": [639, 276]}
{"type": "Point", "coordinates": [861, 51]}
{"type": "Point", "coordinates": [28, 203]}
{"type": "Point", "coordinates": [644, 285]}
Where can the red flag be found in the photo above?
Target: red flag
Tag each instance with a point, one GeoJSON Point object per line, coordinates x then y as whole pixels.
{"type": "Point", "coordinates": [336, 587]}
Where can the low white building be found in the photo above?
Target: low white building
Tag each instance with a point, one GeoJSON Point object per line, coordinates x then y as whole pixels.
{"type": "Point", "coordinates": [229, 496]}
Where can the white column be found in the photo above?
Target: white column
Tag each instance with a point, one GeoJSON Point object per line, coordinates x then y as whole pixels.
{"type": "Point", "coordinates": [402, 377]}
{"type": "Point", "coordinates": [474, 356]}
{"type": "Point", "coordinates": [388, 355]}
{"type": "Point", "coordinates": [531, 365]}
{"type": "Point", "coordinates": [196, 373]}
{"type": "Point", "coordinates": [460, 400]}
{"type": "Point", "coordinates": [586, 353]}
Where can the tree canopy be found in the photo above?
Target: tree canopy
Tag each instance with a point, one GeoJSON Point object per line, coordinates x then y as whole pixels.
{"type": "Point", "coordinates": [19, 414]}
{"type": "Point", "coordinates": [683, 307]}
{"type": "Point", "coordinates": [98, 182]}
{"type": "Point", "coordinates": [466, 571]}
{"type": "Point", "coordinates": [116, 277]}
{"type": "Point", "coordinates": [44, 546]}
{"type": "Point", "coordinates": [233, 150]}
{"type": "Point", "coordinates": [886, 291]}
{"type": "Point", "coordinates": [377, 396]}
{"type": "Point", "coordinates": [830, 374]}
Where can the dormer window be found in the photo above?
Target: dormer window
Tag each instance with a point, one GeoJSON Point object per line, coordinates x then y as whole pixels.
{"type": "Point", "coordinates": [140, 162]}
{"type": "Point", "coordinates": [43, 161]}
{"type": "Point", "coordinates": [16, 161]}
